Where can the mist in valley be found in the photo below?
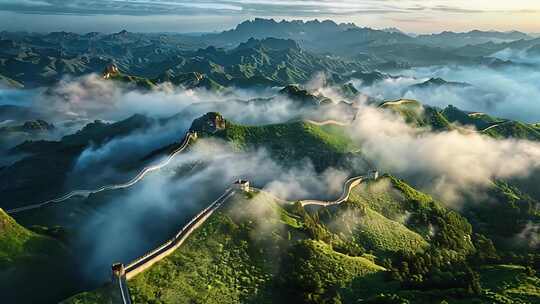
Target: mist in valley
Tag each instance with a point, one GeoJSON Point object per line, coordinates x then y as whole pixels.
{"type": "Point", "coordinates": [122, 225]}
{"type": "Point", "coordinates": [125, 224]}
{"type": "Point", "coordinates": [510, 92]}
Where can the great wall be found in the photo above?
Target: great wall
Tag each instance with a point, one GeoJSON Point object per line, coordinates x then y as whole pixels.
{"type": "Point", "coordinates": [190, 135]}
{"type": "Point", "coordinates": [328, 122]}
{"type": "Point", "coordinates": [185, 142]}
{"type": "Point", "coordinates": [347, 188]}
{"type": "Point", "coordinates": [122, 273]}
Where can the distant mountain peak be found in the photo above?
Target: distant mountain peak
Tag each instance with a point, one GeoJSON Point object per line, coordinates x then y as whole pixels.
{"type": "Point", "coordinates": [293, 29]}
{"type": "Point", "coordinates": [392, 30]}
{"type": "Point", "coordinates": [439, 82]}
{"type": "Point", "coordinates": [270, 43]}
{"type": "Point", "coordinates": [436, 80]}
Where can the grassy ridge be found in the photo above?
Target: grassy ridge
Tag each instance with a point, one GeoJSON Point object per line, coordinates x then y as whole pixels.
{"type": "Point", "coordinates": [18, 243]}
{"type": "Point", "coordinates": [239, 256]}
{"type": "Point", "coordinates": [255, 250]}
{"type": "Point", "coordinates": [416, 114]}
{"type": "Point", "coordinates": [325, 146]}
{"type": "Point", "coordinates": [510, 284]}
{"type": "Point", "coordinates": [297, 135]}
{"type": "Point", "coordinates": [27, 260]}
{"type": "Point", "coordinates": [419, 115]}
{"type": "Point", "coordinates": [390, 243]}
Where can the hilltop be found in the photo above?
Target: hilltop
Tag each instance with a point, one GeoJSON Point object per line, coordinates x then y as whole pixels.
{"type": "Point", "coordinates": [417, 114]}
{"type": "Point", "coordinates": [288, 143]}
{"type": "Point", "coordinates": [439, 82]}
{"type": "Point", "coordinates": [307, 98]}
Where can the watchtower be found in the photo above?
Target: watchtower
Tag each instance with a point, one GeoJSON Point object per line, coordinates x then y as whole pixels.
{"type": "Point", "coordinates": [110, 71]}
{"type": "Point", "coordinates": [118, 271]}
{"type": "Point", "coordinates": [373, 174]}
{"type": "Point", "coordinates": [242, 185]}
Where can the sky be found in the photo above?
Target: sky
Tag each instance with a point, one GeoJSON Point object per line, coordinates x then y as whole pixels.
{"type": "Point", "coordinates": [421, 16]}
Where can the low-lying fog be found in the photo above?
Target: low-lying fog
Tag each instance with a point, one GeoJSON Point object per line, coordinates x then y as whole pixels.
{"type": "Point", "coordinates": [506, 92]}
{"type": "Point", "coordinates": [130, 222]}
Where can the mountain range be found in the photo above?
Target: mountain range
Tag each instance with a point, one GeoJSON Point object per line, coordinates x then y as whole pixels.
{"type": "Point", "coordinates": [243, 166]}
{"type": "Point", "coordinates": [260, 51]}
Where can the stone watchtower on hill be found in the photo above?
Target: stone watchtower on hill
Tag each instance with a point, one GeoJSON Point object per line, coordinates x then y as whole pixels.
{"type": "Point", "coordinates": [373, 174]}
{"type": "Point", "coordinates": [242, 185]}
{"type": "Point", "coordinates": [110, 71]}
{"type": "Point", "coordinates": [118, 271]}
{"type": "Point", "coordinates": [209, 123]}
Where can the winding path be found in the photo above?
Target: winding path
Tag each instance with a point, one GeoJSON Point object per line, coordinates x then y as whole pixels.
{"type": "Point", "coordinates": [492, 127]}
{"type": "Point", "coordinates": [185, 142]}
{"type": "Point", "coordinates": [144, 262]}
{"type": "Point", "coordinates": [147, 260]}
{"type": "Point", "coordinates": [328, 122]}
{"type": "Point", "coordinates": [347, 188]}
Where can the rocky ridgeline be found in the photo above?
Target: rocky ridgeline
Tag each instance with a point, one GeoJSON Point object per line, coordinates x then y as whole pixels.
{"type": "Point", "coordinates": [209, 123]}
{"type": "Point", "coordinates": [307, 98]}
{"type": "Point", "coordinates": [37, 125]}
{"type": "Point", "coordinates": [33, 126]}
{"type": "Point", "coordinates": [111, 71]}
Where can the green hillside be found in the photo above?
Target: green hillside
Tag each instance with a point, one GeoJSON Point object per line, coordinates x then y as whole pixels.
{"type": "Point", "coordinates": [238, 256]}
{"type": "Point", "coordinates": [17, 243]}
{"type": "Point", "coordinates": [288, 143]}
{"type": "Point", "coordinates": [388, 216]}
{"type": "Point", "coordinates": [417, 114]}
{"type": "Point", "coordinates": [479, 120]}
{"type": "Point", "coordinates": [510, 284]}
{"type": "Point", "coordinates": [42, 173]}
{"type": "Point", "coordinates": [27, 260]}
{"type": "Point", "coordinates": [378, 233]}
{"type": "Point", "coordinates": [256, 250]}
{"type": "Point", "coordinates": [505, 212]}
{"type": "Point", "coordinates": [514, 129]}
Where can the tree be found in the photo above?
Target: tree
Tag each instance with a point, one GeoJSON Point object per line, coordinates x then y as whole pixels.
{"type": "Point", "coordinates": [472, 279]}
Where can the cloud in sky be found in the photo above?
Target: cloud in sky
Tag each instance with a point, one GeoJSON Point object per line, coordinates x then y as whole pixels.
{"type": "Point", "coordinates": [218, 14]}
{"type": "Point", "coordinates": [280, 7]}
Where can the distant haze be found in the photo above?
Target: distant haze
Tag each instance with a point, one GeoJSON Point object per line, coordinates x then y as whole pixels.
{"type": "Point", "coordinates": [217, 15]}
